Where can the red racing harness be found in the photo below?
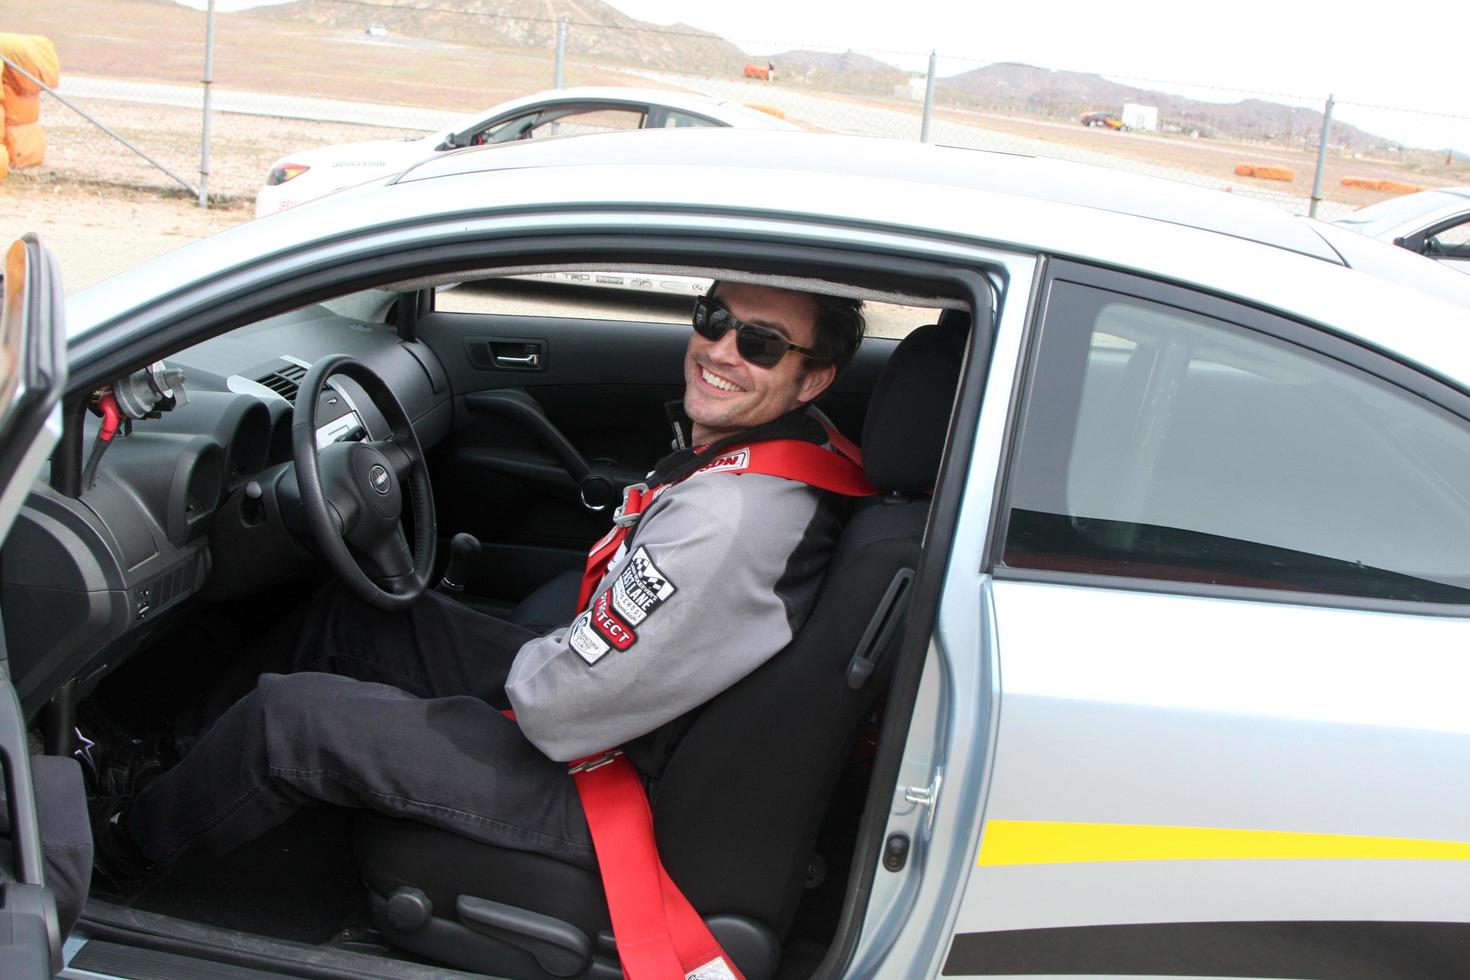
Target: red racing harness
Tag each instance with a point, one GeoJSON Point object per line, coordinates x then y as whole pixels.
{"type": "Point", "coordinates": [659, 934]}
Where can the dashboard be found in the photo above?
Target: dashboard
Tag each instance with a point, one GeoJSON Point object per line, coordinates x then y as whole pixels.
{"type": "Point", "coordinates": [197, 503]}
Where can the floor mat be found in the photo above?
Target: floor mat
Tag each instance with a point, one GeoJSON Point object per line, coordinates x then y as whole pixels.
{"type": "Point", "coordinates": [297, 882]}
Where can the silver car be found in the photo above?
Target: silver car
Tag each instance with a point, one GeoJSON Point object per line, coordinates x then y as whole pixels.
{"type": "Point", "coordinates": [1165, 676]}
{"type": "Point", "coordinates": [1434, 223]}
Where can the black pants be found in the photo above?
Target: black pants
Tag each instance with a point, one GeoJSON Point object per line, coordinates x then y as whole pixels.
{"type": "Point", "coordinates": [395, 712]}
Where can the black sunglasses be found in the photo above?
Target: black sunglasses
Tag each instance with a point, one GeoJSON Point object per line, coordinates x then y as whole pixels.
{"type": "Point", "coordinates": [758, 345]}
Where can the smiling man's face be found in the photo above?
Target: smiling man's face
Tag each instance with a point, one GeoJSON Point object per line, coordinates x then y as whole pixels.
{"type": "Point", "coordinates": [724, 393]}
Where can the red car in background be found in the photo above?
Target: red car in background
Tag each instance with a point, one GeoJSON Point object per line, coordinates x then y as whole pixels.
{"type": "Point", "coordinates": [1106, 119]}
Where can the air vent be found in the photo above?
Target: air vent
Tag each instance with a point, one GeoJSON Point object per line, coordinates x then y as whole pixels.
{"type": "Point", "coordinates": [285, 381]}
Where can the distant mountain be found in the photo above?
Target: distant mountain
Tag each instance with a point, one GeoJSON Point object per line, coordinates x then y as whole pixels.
{"type": "Point", "coordinates": [846, 72]}
{"type": "Point", "coordinates": [600, 32]}
{"type": "Point", "coordinates": [615, 38]}
{"type": "Point", "coordinates": [1068, 94]}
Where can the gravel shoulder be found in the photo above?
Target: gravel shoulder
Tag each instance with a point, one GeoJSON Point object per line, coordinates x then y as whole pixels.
{"type": "Point", "coordinates": [97, 230]}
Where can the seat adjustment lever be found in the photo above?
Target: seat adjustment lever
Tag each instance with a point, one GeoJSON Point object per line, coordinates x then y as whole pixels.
{"type": "Point", "coordinates": [559, 947]}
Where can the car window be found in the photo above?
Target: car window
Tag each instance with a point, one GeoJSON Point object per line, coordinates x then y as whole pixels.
{"type": "Point", "coordinates": [587, 121]}
{"type": "Point", "coordinates": [674, 119]}
{"type": "Point", "coordinates": [649, 297]}
{"type": "Point", "coordinates": [565, 121]}
{"type": "Point", "coordinates": [1452, 241]}
{"type": "Point", "coordinates": [514, 128]}
{"type": "Point", "coordinates": [1161, 444]}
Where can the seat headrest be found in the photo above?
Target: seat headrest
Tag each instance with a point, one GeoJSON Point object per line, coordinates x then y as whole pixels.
{"type": "Point", "coordinates": [903, 433]}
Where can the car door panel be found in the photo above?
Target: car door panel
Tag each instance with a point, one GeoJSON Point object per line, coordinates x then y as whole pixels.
{"type": "Point", "coordinates": [32, 378]}
{"type": "Point", "coordinates": [1232, 617]}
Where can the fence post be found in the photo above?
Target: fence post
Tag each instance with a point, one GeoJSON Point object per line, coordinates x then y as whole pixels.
{"type": "Point", "coordinates": [928, 98]}
{"type": "Point", "coordinates": [561, 52]}
{"type": "Point", "coordinates": [1322, 142]}
{"type": "Point", "coordinates": [208, 81]}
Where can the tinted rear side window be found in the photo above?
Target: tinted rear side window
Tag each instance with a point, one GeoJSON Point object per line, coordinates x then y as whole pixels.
{"type": "Point", "coordinates": [1157, 443]}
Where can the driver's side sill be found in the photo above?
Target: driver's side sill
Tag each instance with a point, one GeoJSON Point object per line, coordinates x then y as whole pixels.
{"type": "Point", "coordinates": [112, 940]}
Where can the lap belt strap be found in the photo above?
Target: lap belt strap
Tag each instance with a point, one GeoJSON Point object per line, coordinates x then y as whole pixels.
{"type": "Point", "coordinates": [838, 470]}
{"type": "Point", "coordinates": [659, 934]}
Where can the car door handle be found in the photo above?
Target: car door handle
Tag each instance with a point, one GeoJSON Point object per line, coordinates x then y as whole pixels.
{"type": "Point", "coordinates": [506, 353]}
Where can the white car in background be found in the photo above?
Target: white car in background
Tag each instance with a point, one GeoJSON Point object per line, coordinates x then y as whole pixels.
{"type": "Point", "coordinates": [1435, 223]}
{"type": "Point", "coordinates": [307, 174]}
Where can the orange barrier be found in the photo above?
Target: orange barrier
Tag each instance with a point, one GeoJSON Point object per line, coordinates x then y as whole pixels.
{"type": "Point", "coordinates": [1386, 186]}
{"type": "Point", "coordinates": [768, 109]}
{"type": "Point", "coordinates": [1263, 172]}
{"type": "Point", "coordinates": [756, 71]}
{"type": "Point", "coordinates": [1398, 187]}
{"type": "Point", "coordinates": [36, 55]}
{"type": "Point", "coordinates": [25, 140]}
{"type": "Point", "coordinates": [26, 144]}
{"type": "Point", "coordinates": [21, 110]}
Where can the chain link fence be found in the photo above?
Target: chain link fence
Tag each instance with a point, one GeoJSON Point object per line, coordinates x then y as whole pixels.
{"type": "Point", "coordinates": [321, 72]}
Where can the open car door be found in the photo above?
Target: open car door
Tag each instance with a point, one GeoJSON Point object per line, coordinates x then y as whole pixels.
{"type": "Point", "coordinates": [32, 378]}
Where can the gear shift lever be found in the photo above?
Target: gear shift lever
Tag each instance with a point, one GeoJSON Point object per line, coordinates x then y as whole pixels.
{"type": "Point", "coordinates": [463, 550]}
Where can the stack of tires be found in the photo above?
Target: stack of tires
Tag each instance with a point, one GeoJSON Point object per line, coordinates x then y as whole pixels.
{"type": "Point", "coordinates": [25, 140]}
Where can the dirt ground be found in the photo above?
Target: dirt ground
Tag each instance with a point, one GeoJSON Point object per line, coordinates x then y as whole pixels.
{"type": "Point", "coordinates": [98, 230]}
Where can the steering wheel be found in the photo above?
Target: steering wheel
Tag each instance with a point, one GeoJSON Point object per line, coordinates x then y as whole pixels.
{"type": "Point", "coordinates": [352, 493]}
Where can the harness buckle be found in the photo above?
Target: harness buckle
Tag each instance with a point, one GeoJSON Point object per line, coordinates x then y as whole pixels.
{"type": "Point", "coordinates": [621, 517]}
{"type": "Point", "coordinates": [588, 765]}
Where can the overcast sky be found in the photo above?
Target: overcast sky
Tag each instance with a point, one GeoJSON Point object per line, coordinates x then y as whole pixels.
{"type": "Point", "coordinates": [1406, 56]}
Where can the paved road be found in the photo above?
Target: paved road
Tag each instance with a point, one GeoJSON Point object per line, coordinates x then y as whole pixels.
{"type": "Point", "coordinates": [827, 113]}
{"type": "Point", "coordinates": [258, 103]}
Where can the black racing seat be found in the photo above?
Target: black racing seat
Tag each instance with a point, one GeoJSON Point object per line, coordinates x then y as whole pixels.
{"type": "Point", "coordinates": [740, 802]}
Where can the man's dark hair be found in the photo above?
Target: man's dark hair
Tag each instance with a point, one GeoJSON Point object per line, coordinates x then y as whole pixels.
{"type": "Point", "coordinates": [840, 326]}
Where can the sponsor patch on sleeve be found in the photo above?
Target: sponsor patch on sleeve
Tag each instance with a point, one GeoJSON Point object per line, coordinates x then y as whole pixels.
{"type": "Point", "coordinates": [584, 639]}
{"type": "Point", "coordinates": [610, 625]}
{"type": "Point", "coordinates": [639, 590]}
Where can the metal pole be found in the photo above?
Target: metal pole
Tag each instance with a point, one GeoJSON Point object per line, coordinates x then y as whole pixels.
{"type": "Point", "coordinates": [208, 82]}
{"type": "Point", "coordinates": [95, 122]}
{"type": "Point", "coordinates": [561, 52]}
{"type": "Point", "coordinates": [1321, 158]}
{"type": "Point", "coordinates": [928, 98]}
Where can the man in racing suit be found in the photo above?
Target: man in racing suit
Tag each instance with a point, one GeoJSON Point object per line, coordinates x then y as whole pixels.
{"type": "Point", "coordinates": [402, 713]}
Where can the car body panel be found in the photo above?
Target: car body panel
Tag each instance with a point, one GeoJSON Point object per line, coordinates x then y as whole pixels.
{"type": "Point", "coordinates": [1243, 757]}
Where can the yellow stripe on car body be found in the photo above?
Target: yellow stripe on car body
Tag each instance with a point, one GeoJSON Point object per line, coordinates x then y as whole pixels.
{"type": "Point", "coordinates": [1021, 842]}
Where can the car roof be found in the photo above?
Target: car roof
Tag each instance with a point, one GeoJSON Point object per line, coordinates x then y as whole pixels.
{"type": "Point", "coordinates": [723, 110]}
{"type": "Point", "coordinates": [908, 197]}
{"type": "Point", "coordinates": [1060, 181]}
